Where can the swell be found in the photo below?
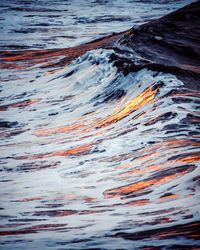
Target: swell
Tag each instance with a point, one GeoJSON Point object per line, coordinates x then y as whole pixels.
{"type": "Point", "coordinates": [168, 44]}
{"type": "Point", "coordinates": [94, 150]}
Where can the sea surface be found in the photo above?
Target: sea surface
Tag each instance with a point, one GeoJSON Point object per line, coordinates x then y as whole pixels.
{"type": "Point", "coordinates": [91, 158]}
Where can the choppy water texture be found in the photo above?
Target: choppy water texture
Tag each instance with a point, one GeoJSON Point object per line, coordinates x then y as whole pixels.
{"type": "Point", "coordinates": [90, 158]}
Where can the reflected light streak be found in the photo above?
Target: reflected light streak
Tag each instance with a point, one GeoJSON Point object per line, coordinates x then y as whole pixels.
{"type": "Point", "coordinates": [20, 104]}
{"type": "Point", "coordinates": [125, 190]}
{"type": "Point", "coordinates": [144, 98]}
{"type": "Point", "coordinates": [86, 148]}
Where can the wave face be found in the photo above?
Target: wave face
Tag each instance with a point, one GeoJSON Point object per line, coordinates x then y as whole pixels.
{"type": "Point", "coordinates": [91, 157]}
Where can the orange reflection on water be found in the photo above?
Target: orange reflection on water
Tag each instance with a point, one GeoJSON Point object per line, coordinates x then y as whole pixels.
{"type": "Point", "coordinates": [68, 128]}
{"type": "Point", "coordinates": [86, 148]}
{"type": "Point", "coordinates": [181, 143]}
{"type": "Point", "coordinates": [20, 104]}
{"type": "Point", "coordinates": [124, 190]}
{"type": "Point", "coordinates": [171, 143]}
{"type": "Point", "coordinates": [49, 56]}
{"type": "Point", "coordinates": [142, 171]}
{"type": "Point", "coordinates": [64, 129]}
{"type": "Point", "coordinates": [124, 166]}
{"type": "Point", "coordinates": [138, 186]}
{"type": "Point", "coordinates": [25, 103]}
{"type": "Point", "coordinates": [189, 159]}
{"type": "Point", "coordinates": [169, 197]}
{"type": "Point", "coordinates": [74, 151]}
{"type": "Point", "coordinates": [145, 97]}
{"type": "Point", "coordinates": [11, 66]}
{"type": "Point", "coordinates": [141, 202]}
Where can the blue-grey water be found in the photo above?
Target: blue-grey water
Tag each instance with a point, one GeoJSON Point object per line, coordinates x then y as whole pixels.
{"type": "Point", "coordinates": [90, 158]}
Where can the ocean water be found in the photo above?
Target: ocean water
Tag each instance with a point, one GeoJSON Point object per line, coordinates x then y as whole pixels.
{"type": "Point", "coordinates": [37, 24]}
{"type": "Point", "coordinates": [91, 158]}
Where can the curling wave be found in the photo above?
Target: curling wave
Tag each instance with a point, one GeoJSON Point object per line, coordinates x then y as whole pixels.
{"type": "Point", "coordinates": [91, 154]}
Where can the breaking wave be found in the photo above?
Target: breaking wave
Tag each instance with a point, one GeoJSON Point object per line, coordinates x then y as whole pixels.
{"type": "Point", "coordinates": [91, 155]}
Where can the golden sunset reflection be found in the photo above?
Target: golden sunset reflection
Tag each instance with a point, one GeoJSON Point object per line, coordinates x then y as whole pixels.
{"type": "Point", "coordinates": [146, 97]}
{"type": "Point", "coordinates": [142, 185]}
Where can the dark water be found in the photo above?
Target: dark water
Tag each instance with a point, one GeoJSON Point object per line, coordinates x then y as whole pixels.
{"type": "Point", "coordinates": [90, 158]}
